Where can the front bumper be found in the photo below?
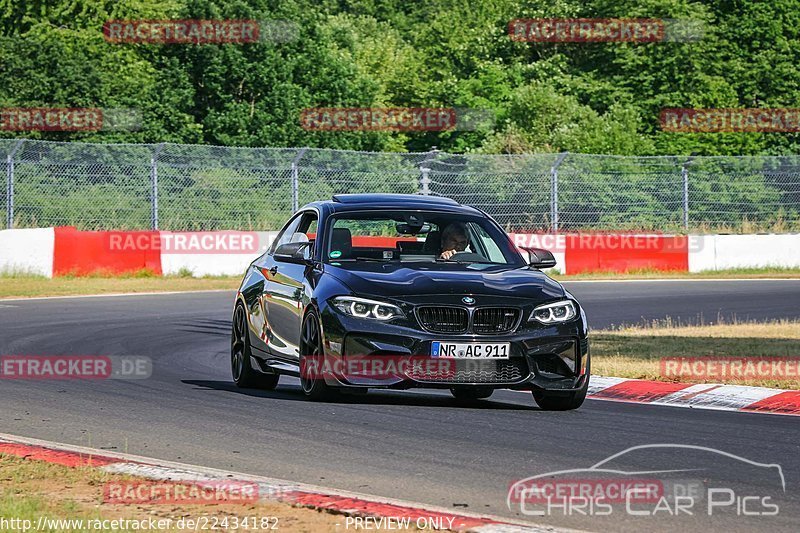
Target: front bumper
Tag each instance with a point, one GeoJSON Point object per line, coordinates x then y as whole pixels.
{"type": "Point", "coordinates": [553, 357]}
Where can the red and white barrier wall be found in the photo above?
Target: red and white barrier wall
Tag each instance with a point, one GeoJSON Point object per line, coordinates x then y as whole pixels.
{"type": "Point", "coordinates": [67, 251]}
{"type": "Point", "coordinates": [27, 251]}
{"type": "Point", "coordinates": [217, 264]}
{"type": "Point", "coordinates": [720, 252]}
{"type": "Point", "coordinates": [576, 253]}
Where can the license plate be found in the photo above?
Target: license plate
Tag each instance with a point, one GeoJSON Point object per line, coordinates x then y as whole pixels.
{"type": "Point", "coordinates": [472, 350]}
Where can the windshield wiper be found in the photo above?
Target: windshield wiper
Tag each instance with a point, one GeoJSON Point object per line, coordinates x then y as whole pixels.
{"type": "Point", "coordinates": [372, 259]}
{"type": "Point", "coordinates": [457, 262]}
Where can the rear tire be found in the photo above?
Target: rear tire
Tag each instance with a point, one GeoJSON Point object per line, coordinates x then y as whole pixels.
{"type": "Point", "coordinates": [471, 393]}
{"type": "Point", "coordinates": [314, 387]}
{"type": "Point", "coordinates": [241, 370]}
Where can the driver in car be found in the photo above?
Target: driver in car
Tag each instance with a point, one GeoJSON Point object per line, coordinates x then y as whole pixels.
{"type": "Point", "coordinates": [454, 239]}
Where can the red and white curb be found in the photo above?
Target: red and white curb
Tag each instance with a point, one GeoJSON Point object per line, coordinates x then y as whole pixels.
{"type": "Point", "coordinates": [270, 489]}
{"type": "Point", "coordinates": [700, 396]}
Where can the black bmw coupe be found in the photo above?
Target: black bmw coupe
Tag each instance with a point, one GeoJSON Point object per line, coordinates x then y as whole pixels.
{"type": "Point", "coordinates": [395, 291]}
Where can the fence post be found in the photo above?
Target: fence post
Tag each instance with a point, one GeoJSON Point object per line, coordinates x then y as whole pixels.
{"type": "Point", "coordinates": [10, 184]}
{"type": "Point", "coordinates": [296, 179]}
{"type": "Point", "coordinates": [554, 191]}
{"type": "Point", "coordinates": [685, 175]}
{"type": "Point", "coordinates": [424, 181]}
{"type": "Point", "coordinates": [685, 178]}
{"type": "Point", "coordinates": [154, 186]}
{"type": "Point", "coordinates": [424, 172]}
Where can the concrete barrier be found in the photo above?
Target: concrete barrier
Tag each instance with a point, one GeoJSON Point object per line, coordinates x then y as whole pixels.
{"type": "Point", "coordinates": [215, 264]}
{"type": "Point", "coordinates": [721, 252]}
{"type": "Point", "coordinates": [66, 250]}
{"type": "Point", "coordinates": [576, 253]}
{"type": "Point", "coordinates": [87, 252]}
{"type": "Point", "coordinates": [27, 251]}
{"type": "Point", "coordinates": [626, 252]}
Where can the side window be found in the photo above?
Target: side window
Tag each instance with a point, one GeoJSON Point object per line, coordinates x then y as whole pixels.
{"type": "Point", "coordinates": [493, 252]}
{"type": "Point", "coordinates": [311, 232]}
{"type": "Point", "coordinates": [307, 231]}
{"type": "Point", "coordinates": [301, 228]}
{"type": "Point", "coordinates": [286, 233]}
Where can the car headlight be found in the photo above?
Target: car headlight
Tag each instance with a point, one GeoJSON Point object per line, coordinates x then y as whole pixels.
{"type": "Point", "coordinates": [554, 312]}
{"type": "Point", "coordinates": [363, 308]}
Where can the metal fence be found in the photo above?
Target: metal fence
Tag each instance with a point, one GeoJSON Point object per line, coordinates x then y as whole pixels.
{"type": "Point", "coordinates": [199, 187]}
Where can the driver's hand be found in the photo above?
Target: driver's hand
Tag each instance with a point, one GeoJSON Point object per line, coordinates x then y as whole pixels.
{"type": "Point", "coordinates": [448, 254]}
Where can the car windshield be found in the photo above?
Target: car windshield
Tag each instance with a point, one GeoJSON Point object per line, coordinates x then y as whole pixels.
{"type": "Point", "coordinates": [417, 236]}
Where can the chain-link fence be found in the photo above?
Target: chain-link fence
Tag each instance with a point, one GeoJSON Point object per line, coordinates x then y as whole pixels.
{"type": "Point", "coordinates": [197, 187]}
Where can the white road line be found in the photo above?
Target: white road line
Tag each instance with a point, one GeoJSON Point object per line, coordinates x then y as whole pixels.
{"type": "Point", "coordinates": [111, 295]}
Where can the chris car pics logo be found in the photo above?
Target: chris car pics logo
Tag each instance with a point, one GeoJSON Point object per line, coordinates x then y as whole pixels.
{"type": "Point", "coordinates": [685, 480]}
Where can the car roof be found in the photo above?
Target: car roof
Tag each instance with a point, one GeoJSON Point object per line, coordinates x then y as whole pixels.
{"type": "Point", "coordinates": [402, 199]}
{"type": "Point", "coordinates": [366, 201]}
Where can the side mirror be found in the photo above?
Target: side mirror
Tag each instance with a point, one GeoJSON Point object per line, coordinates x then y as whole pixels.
{"type": "Point", "coordinates": [540, 258]}
{"type": "Point", "coordinates": [293, 252]}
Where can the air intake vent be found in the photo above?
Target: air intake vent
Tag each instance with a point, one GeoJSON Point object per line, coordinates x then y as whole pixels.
{"type": "Point", "coordinates": [488, 320]}
{"type": "Point", "coordinates": [443, 319]}
{"type": "Point", "coordinates": [478, 371]}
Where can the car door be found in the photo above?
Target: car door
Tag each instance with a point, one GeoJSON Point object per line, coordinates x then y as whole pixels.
{"type": "Point", "coordinates": [260, 332]}
{"type": "Point", "coordinates": [287, 291]}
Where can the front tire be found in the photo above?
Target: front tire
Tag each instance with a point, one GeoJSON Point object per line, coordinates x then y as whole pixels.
{"type": "Point", "coordinates": [311, 357]}
{"type": "Point", "coordinates": [242, 372]}
{"type": "Point", "coordinates": [565, 402]}
{"type": "Point", "coordinates": [550, 402]}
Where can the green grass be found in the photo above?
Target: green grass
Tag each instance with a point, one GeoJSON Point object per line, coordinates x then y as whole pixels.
{"type": "Point", "coordinates": [28, 509]}
{"type": "Point", "coordinates": [636, 351]}
{"type": "Point", "coordinates": [27, 490]}
{"type": "Point", "coordinates": [649, 273]}
{"type": "Point", "coordinates": [32, 489]}
{"type": "Point", "coordinates": [31, 286]}
{"type": "Point", "coordinates": [21, 284]}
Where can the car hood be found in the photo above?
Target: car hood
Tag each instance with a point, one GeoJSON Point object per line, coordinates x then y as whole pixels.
{"type": "Point", "coordinates": [395, 280]}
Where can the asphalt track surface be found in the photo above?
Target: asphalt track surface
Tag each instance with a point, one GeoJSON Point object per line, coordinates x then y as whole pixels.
{"type": "Point", "coordinates": [420, 446]}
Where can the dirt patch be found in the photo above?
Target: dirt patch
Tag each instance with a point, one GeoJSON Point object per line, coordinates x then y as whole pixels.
{"type": "Point", "coordinates": [33, 489]}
